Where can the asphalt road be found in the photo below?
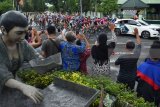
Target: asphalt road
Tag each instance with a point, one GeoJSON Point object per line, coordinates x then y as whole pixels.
{"type": "Point", "coordinates": [120, 50]}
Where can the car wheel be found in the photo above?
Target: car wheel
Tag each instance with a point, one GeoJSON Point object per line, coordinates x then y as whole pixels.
{"type": "Point", "coordinates": [145, 34]}
{"type": "Point", "coordinates": [117, 32]}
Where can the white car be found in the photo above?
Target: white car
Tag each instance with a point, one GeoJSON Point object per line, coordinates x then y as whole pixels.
{"type": "Point", "coordinates": [145, 30]}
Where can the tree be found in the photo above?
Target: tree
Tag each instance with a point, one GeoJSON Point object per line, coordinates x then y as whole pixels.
{"type": "Point", "coordinates": [38, 5]}
{"type": "Point", "coordinates": [27, 6]}
{"type": "Point", "coordinates": [56, 4]}
{"type": "Point", "coordinates": [34, 5]}
{"type": "Point", "coordinates": [5, 5]}
{"type": "Point", "coordinates": [94, 5]}
{"type": "Point", "coordinates": [86, 5]}
{"type": "Point", "coordinates": [107, 6]}
{"type": "Point", "coordinates": [52, 8]}
{"type": "Point", "coordinates": [72, 5]}
{"type": "Point", "coordinates": [65, 5]}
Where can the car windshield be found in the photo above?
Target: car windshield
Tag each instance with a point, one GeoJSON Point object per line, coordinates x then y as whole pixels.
{"type": "Point", "coordinates": [143, 22]}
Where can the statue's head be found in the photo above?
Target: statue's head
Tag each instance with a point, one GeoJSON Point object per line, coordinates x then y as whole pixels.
{"type": "Point", "coordinates": [12, 19]}
{"type": "Point", "coordinates": [14, 25]}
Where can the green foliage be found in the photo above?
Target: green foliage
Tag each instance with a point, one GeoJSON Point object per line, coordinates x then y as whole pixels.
{"type": "Point", "coordinates": [35, 79]}
{"type": "Point", "coordinates": [56, 3]}
{"type": "Point", "coordinates": [38, 5]}
{"type": "Point", "coordinates": [52, 9]}
{"type": "Point", "coordinates": [73, 5]}
{"type": "Point", "coordinates": [118, 90]}
{"type": "Point", "coordinates": [107, 6]}
{"type": "Point", "coordinates": [34, 5]}
{"type": "Point", "coordinates": [65, 5]}
{"type": "Point", "coordinates": [5, 5]}
{"type": "Point", "coordinates": [27, 6]}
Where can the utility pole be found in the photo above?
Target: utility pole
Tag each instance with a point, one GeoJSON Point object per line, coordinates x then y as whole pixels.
{"type": "Point", "coordinates": [81, 6]}
{"type": "Point", "coordinates": [13, 3]}
{"type": "Point", "coordinates": [95, 5]}
{"type": "Point", "coordinates": [17, 4]}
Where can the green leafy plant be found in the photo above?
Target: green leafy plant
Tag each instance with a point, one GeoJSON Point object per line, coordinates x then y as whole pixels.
{"type": "Point", "coordinates": [125, 97]}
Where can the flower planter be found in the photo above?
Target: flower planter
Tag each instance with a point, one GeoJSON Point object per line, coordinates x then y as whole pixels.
{"type": "Point", "coordinates": [118, 90]}
{"type": "Point", "coordinates": [60, 94]}
{"type": "Point", "coordinates": [87, 94]}
{"type": "Point", "coordinates": [48, 64]}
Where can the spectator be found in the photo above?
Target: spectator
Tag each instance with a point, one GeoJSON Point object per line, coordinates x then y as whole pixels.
{"type": "Point", "coordinates": [101, 52]}
{"type": "Point", "coordinates": [29, 34]}
{"type": "Point", "coordinates": [43, 35]}
{"type": "Point", "coordinates": [63, 32]}
{"type": "Point", "coordinates": [36, 40]}
{"type": "Point", "coordinates": [71, 52]}
{"type": "Point", "coordinates": [148, 74]}
{"type": "Point", "coordinates": [123, 27]}
{"type": "Point", "coordinates": [85, 55]}
{"type": "Point", "coordinates": [135, 17]}
{"type": "Point", "coordinates": [121, 14]}
{"type": "Point", "coordinates": [49, 23]}
{"type": "Point", "coordinates": [43, 22]}
{"type": "Point", "coordinates": [128, 62]}
{"type": "Point", "coordinates": [137, 13]}
{"type": "Point", "coordinates": [51, 45]}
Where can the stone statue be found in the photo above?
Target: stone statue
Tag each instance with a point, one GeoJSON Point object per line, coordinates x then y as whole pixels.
{"type": "Point", "coordinates": [14, 50]}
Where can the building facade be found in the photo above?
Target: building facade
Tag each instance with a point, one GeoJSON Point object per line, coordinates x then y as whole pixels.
{"type": "Point", "coordinates": [150, 13]}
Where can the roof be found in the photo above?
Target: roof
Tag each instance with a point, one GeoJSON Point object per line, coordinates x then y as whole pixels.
{"type": "Point", "coordinates": [145, 1]}
{"type": "Point", "coordinates": [134, 4]}
{"type": "Point", "coordinates": [121, 1]}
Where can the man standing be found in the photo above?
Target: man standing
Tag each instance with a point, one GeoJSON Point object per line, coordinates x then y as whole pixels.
{"type": "Point", "coordinates": [51, 45]}
{"type": "Point", "coordinates": [128, 63]}
{"type": "Point", "coordinates": [148, 74]}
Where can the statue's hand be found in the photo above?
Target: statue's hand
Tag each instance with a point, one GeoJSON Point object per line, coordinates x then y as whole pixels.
{"type": "Point", "coordinates": [32, 93]}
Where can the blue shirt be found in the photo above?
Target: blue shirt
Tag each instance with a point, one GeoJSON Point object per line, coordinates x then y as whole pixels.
{"type": "Point", "coordinates": [149, 72]}
{"type": "Point", "coordinates": [71, 55]}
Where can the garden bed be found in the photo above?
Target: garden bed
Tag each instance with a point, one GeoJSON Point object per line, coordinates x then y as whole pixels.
{"type": "Point", "coordinates": [125, 97]}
